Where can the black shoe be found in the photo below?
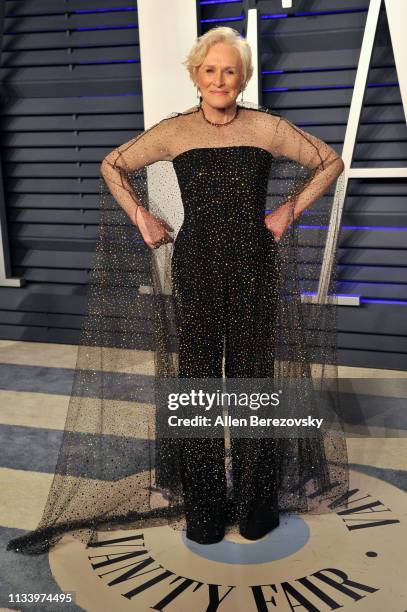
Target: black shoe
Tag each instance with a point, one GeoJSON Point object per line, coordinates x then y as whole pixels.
{"type": "Point", "coordinates": [261, 520]}
{"type": "Point", "coordinates": [255, 531]}
{"type": "Point", "coordinates": [205, 538]}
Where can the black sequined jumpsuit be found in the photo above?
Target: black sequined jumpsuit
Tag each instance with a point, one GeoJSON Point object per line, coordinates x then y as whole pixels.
{"type": "Point", "coordinates": [224, 271]}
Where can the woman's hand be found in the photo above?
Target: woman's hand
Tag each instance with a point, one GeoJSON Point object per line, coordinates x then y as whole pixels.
{"type": "Point", "coordinates": [154, 230]}
{"type": "Point", "coordinates": [279, 220]}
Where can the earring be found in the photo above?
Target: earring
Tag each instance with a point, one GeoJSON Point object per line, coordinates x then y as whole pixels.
{"type": "Point", "coordinates": [242, 95]}
{"type": "Point", "coordinates": [197, 92]}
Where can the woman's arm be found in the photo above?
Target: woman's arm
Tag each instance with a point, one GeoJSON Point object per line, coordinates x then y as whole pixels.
{"type": "Point", "coordinates": [309, 151]}
{"type": "Point", "coordinates": [148, 147]}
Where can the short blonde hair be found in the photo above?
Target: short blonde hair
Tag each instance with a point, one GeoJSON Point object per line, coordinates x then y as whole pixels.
{"type": "Point", "coordinates": [224, 34]}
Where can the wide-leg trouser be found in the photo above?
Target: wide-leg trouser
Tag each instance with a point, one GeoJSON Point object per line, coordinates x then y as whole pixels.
{"type": "Point", "coordinates": [232, 316]}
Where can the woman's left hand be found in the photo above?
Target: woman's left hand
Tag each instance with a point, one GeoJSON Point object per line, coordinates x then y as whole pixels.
{"type": "Point", "coordinates": [279, 220]}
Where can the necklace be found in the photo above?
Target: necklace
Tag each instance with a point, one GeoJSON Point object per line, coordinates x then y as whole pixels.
{"type": "Point", "coordinates": [218, 124]}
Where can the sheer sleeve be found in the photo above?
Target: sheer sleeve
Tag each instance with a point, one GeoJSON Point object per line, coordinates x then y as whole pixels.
{"type": "Point", "coordinates": [148, 147]}
{"type": "Point", "coordinates": [324, 163]}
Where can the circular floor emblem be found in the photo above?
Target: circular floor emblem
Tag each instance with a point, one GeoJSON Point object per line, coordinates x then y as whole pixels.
{"type": "Point", "coordinates": [351, 559]}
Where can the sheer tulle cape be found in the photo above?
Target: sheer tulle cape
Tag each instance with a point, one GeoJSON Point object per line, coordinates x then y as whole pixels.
{"type": "Point", "coordinates": [114, 471]}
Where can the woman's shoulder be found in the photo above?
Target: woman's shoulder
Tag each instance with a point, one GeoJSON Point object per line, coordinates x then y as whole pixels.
{"type": "Point", "coordinates": [167, 125]}
{"type": "Point", "coordinates": [172, 117]}
{"type": "Point", "coordinates": [256, 112]}
{"type": "Point", "coordinates": [260, 121]}
{"type": "Point", "coordinates": [172, 120]}
{"type": "Point", "coordinates": [192, 109]}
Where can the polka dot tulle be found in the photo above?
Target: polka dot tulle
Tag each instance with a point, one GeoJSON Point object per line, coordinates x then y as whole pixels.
{"type": "Point", "coordinates": [222, 300]}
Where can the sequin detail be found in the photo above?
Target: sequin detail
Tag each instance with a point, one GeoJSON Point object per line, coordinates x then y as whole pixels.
{"type": "Point", "coordinates": [225, 294]}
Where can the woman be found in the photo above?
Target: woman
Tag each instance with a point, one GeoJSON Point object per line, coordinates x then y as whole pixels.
{"type": "Point", "coordinates": [226, 299]}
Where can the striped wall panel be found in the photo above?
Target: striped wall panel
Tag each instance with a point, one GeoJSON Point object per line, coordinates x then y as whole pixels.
{"type": "Point", "coordinates": [309, 56]}
{"type": "Point", "coordinates": [71, 91]}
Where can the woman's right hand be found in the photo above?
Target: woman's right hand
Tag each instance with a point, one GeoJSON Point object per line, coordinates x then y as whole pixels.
{"type": "Point", "coordinates": [154, 230]}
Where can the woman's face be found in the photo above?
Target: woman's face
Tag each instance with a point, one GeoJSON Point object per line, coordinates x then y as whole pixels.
{"type": "Point", "coordinates": [220, 76]}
